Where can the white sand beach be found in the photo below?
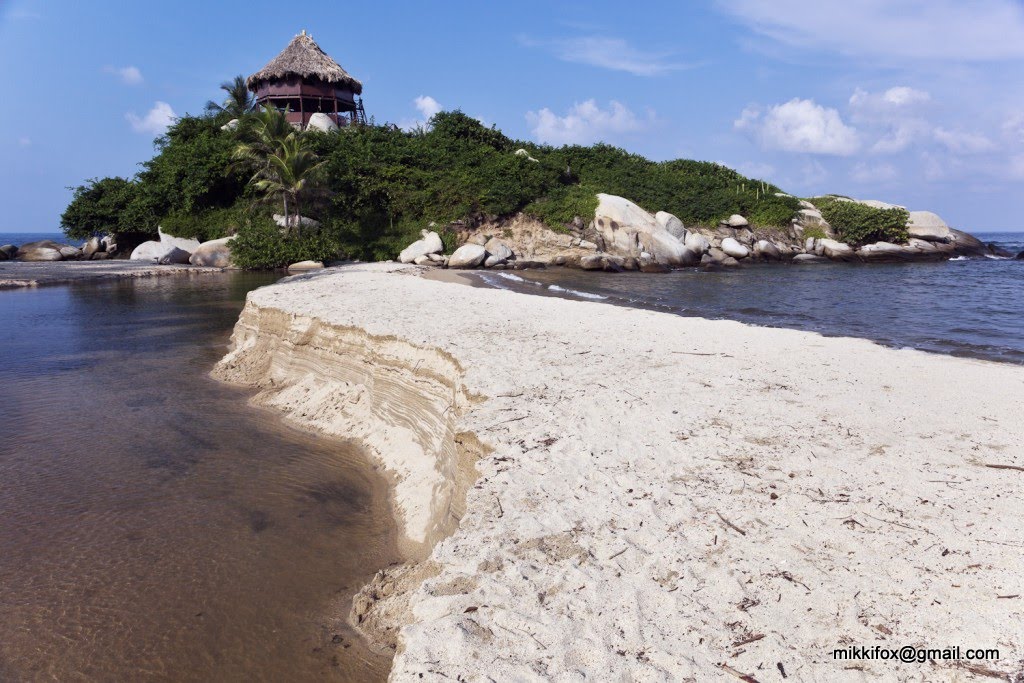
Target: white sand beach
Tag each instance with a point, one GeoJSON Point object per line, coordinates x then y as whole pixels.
{"type": "Point", "coordinates": [600, 493]}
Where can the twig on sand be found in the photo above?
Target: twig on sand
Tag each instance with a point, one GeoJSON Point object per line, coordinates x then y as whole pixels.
{"type": "Point", "coordinates": [1004, 467]}
{"type": "Point", "coordinates": [738, 674]}
{"type": "Point", "coordinates": [694, 353]}
{"type": "Point", "coordinates": [747, 641]}
{"type": "Point", "coordinates": [982, 671]}
{"type": "Point", "coordinates": [730, 524]}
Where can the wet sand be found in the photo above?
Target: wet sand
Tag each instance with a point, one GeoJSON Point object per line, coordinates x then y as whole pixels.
{"type": "Point", "coordinates": [14, 274]}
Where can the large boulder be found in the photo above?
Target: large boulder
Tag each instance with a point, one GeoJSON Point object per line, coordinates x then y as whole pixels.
{"type": "Point", "coordinates": [9, 250]}
{"type": "Point", "coordinates": [837, 251]}
{"type": "Point", "coordinates": [321, 122]}
{"type": "Point", "coordinates": [150, 251]}
{"type": "Point", "coordinates": [39, 254]}
{"type": "Point", "coordinates": [926, 225]}
{"type": "Point", "coordinates": [628, 230]}
{"type": "Point", "coordinates": [672, 225]}
{"type": "Point", "coordinates": [174, 256]}
{"type": "Point", "coordinates": [767, 251]}
{"type": "Point", "coordinates": [885, 251]}
{"type": "Point", "coordinates": [430, 243]}
{"type": "Point", "coordinates": [733, 248]}
{"type": "Point", "coordinates": [92, 246]}
{"type": "Point", "coordinates": [467, 256]}
{"type": "Point", "coordinates": [697, 243]}
{"type": "Point", "coordinates": [737, 221]}
{"type": "Point", "coordinates": [967, 244]}
{"type": "Point", "coordinates": [498, 250]}
{"type": "Point", "coordinates": [69, 252]}
{"type": "Point", "coordinates": [183, 243]}
{"type": "Point", "coordinates": [305, 266]}
{"type": "Point", "coordinates": [213, 254]}
{"type": "Point", "coordinates": [876, 204]}
{"type": "Point", "coordinates": [802, 259]}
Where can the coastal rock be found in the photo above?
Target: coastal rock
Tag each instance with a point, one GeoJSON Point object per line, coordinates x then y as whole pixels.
{"type": "Point", "coordinates": [837, 251]}
{"type": "Point", "coordinates": [697, 243]}
{"type": "Point", "coordinates": [9, 250]}
{"type": "Point", "coordinates": [304, 266]}
{"type": "Point", "coordinates": [885, 251]}
{"type": "Point", "coordinates": [627, 230]}
{"type": "Point", "coordinates": [150, 251]}
{"type": "Point", "coordinates": [649, 266]}
{"type": "Point", "coordinates": [767, 251]}
{"type": "Point", "coordinates": [1019, 257]}
{"type": "Point", "coordinates": [429, 243]}
{"type": "Point", "coordinates": [423, 260]}
{"type": "Point", "coordinates": [39, 254]}
{"type": "Point", "coordinates": [876, 204]}
{"type": "Point", "coordinates": [93, 245]}
{"type": "Point", "coordinates": [809, 258]}
{"type": "Point", "coordinates": [592, 262]}
{"type": "Point", "coordinates": [737, 221]}
{"type": "Point", "coordinates": [671, 224]}
{"type": "Point", "coordinates": [498, 249]}
{"type": "Point", "coordinates": [175, 255]}
{"type": "Point", "coordinates": [733, 248]}
{"type": "Point", "coordinates": [929, 226]}
{"type": "Point", "coordinates": [467, 256]}
{"type": "Point", "coordinates": [231, 125]}
{"type": "Point", "coordinates": [110, 244]}
{"type": "Point", "coordinates": [321, 122]}
{"type": "Point", "coordinates": [183, 243]}
{"type": "Point", "coordinates": [717, 257]}
{"type": "Point", "coordinates": [213, 254]}
{"type": "Point", "coordinates": [493, 261]}
{"type": "Point", "coordinates": [4, 255]}
{"type": "Point", "coordinates": [70, 253]}
{"type": "Point", "coordinates": [969, 245]}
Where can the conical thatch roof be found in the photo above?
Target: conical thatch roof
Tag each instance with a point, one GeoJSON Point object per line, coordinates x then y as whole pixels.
{"type": "Point", "coordinates": [304, 58]}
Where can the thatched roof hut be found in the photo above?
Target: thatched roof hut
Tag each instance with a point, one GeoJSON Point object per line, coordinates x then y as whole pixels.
{"type": "Point", "coordinates": [304, 58]}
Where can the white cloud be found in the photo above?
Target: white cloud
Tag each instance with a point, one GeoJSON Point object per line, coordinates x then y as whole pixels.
{"type": "Point", "coordinates": [898, 99]}
{"type": "Point", "coordinates": [799, 126]}
{"type": "Point", "coordinates": [609, 53]}
{"type": "Point", "coordinates": [155, 121]}
{"type": "Point", "coordinates": [893, 117]}
{"type": "Point", "coordinates": [129, 75]}
{"type": "Point", "coordinates": [942, 30]}
{"type": "Point", "coordinates": [427, 106]}
{"type": "Point", "coordinates": [962, 142]}
{"type": "Point", "coordinates": [873, 173]}
{"type": "Point", "coordinates": [755, 169]}
{"type": "Point", "coordinates": [585, 123]}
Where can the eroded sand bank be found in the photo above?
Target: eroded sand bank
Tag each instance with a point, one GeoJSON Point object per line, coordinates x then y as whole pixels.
{"type": "Point", "coordinates": [640, 496]}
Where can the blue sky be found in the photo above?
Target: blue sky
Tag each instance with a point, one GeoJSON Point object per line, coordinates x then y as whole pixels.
{"type": "Point", "coordinates": [917, 102]}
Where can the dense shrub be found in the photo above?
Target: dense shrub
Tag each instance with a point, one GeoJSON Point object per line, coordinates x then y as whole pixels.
{"type": "Point", "coordinates": [261, 245]}
{"type": "Point", "coordinates": [383, 185]}
{"type": "Point", "coordinates": [858, 224]}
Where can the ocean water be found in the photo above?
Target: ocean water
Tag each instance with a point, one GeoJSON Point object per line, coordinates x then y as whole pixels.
{"type": "Point", "coordinates": [20, 238]}
{"type": "Point", "coordinates": [153, 526]}
{"type": "Point", "coordinates": [962, 307]}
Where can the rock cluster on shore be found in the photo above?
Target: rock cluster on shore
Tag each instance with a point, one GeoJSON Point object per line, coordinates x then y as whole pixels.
{"type": "Point", "coordinates": [623, 236]}
{"type": "Point", "coordinates": [169, 249]}
{"type": "Point", "coordinates": [95, 249]}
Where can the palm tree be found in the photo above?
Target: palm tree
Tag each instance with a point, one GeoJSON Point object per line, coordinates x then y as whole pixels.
{"type": "Point", "coordinates": [285, 165]}
{"type": "Point", "coordinates": [239, 100]}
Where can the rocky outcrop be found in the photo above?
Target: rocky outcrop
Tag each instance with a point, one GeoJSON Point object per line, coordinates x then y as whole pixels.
{"type": "Point", "coordinates": [628, 230]}
{"type": "Point", "coordinates": [174, 256]}
{"type": "Point", "coordinates": [467, 256]}
{"type": "Point", "coordinates": [929, 226]}
{"type": "Point", "coordinates": [305, 266]}
{"type": "Point", "coordinates": [429, 243]}
{"type": "Point", "coordinates": [671, 224]}
{"type": "Point", "coordinates": [733, 248]}
{"type": "Point", "coordinates": [152, 250]}
{"type": "Point", "coordinates": [188, 244]}
{"type": "Point", "coordinates": [214, 254]}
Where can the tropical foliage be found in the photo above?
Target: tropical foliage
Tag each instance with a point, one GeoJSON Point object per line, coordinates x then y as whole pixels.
{"type": "Point", "coordinates": [859, 224]}
{"type": "Point", "coordinates": [238, 101]}
{"type": "Point", "coordinates": [373, 188]}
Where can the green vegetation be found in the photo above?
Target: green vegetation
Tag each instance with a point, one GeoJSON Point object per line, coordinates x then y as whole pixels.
{"type": "Point", "coordinates": [814, 232]}
{"type": "Point", "coordinates": [373, 188]}
{"type": "Point", "coordinates": [858, 224]}
{"type": "Point", "coordinates": [238, 102]}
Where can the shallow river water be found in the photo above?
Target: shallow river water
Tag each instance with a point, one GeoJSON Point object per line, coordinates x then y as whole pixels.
{"type": "Point", "coordinates": [152, 525]}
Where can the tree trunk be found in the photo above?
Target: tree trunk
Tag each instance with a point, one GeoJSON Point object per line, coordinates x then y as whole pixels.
{"type": "Point", "coordinates": [287, 220]}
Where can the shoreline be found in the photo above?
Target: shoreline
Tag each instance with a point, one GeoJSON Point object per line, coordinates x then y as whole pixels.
{"type": "Point", "coordinates": [29, 274]}
{"type": "Point", "coordinates": [692, 485]}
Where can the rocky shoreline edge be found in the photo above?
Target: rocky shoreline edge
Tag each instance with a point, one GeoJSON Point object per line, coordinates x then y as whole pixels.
{"type": "Point", "coordinates": [684, 499]}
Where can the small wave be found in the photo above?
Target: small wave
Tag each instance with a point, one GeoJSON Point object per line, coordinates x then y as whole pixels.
{"type": "Point", "coordinates": [959, 258]}
{"type": "Point", "coordinates": [511, 276]}
{"type": "Point", "coordinates": [575, 292]}
{"type": "Point", "coordinates": [998, 258]}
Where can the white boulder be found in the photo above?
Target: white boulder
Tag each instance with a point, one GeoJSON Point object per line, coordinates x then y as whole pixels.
{"type": "Point", "coordinates": [809, 258]}
{"type": "Point", "coordinates": [929, 226]}
{"type": "Point", "coordinates": [467, 256]}
{"type": "Point", "coordinates": [627, 230]}
{"type": "Point", "coordinates": [39, 254]}
{"type": "Point", "coordinates": [183, 243]}
{"type": "Point", "coordinates": [429, 243]}
{"type": "Point", "coordinates": [321, 122]}
{"type": "Point", "coordinates": [300, 221]}
{"type": "Point", "coordinates": [697, 242]}
{"type": "Point", "coordinates": [672, 225]}
{"type": "Point", "coordinates": [230, 125]}
{"type": "Point", "coordinates": [150, 251]}
{"type": "Point", "coordinates": [213, 254]}
{"type": "Point", "coordinates": [733, 248]}
{"type": "Point", "coordinates": [767, 250]}
{"type": "Point", "coordinates": [737, 221]}
{"type": "Point", "coordinates": [498, 249]}
{"type": "Point", "coordinates": [835, 250]}
{"type": "Point", "coordinates": [304, 266]}
{"type": "Point", "coordinates": [175, 255]}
